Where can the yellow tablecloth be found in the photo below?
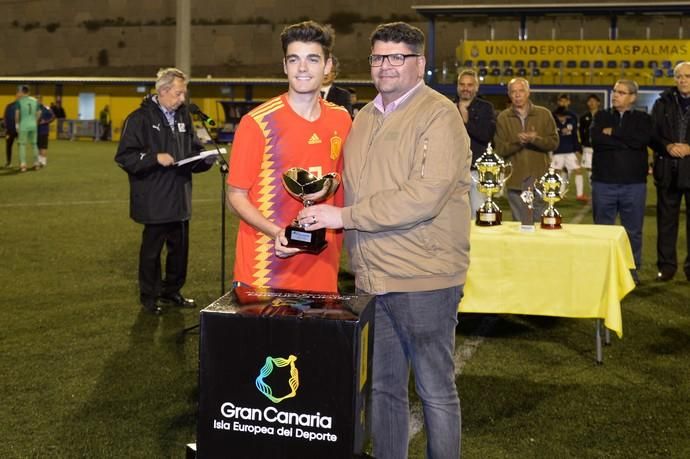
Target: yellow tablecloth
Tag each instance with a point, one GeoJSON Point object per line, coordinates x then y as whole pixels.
{"type": "Point", "coordinates": [578, 271]}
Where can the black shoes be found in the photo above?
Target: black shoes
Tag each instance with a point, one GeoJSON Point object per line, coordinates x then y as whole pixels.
{"type": "Point", "coordinates": [150, 306]}
{"type": "Point", "coordinates": [178, 300]}
{"type": "Point", "coordinates": [664, 276]}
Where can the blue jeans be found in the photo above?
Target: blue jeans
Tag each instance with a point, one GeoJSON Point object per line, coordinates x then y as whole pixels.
{"type": "Point", "coordinates": [417, 330]}
{"type": "Point", "coordinates": [626, 200]}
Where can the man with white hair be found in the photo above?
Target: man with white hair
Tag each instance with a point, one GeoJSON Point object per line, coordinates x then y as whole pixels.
{"type": "Point", "coordinates": [671, 143]}
{"type": "Point", "coordinates": [155, 137]}
{"type": "Point", "coordinates": [525, 134]}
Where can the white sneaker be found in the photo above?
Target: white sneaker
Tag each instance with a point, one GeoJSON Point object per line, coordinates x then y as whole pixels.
{"type": "Point", "coordinates": [43, 160]}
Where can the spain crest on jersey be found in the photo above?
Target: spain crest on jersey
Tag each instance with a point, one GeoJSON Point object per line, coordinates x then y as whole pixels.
{"type": "Point", "coordinates": [336, 146]}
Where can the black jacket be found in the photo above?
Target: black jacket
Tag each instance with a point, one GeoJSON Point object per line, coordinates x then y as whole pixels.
{"type": "Point", "coordinates": [585, 124]}
{"type": "Point", "coordinates": [10, 118]}
{"type": "Point", "coordinates": [622, 156]}
{"type": "Point", "coordinates": [340, 96]}
{"type": "Point", "coordinates": [159, 194]}
{"type": "Point", "coordinates": [481, 126]}
{"type": "Point", "coordinates": [667, 118]}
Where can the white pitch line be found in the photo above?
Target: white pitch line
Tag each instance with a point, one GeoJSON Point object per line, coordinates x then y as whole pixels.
{"type": "Point", "coordinates": [468, 348]}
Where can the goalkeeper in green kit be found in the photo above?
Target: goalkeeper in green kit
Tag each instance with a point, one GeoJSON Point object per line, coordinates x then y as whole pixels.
{"type": "Point", "coordinates": [27, 126]}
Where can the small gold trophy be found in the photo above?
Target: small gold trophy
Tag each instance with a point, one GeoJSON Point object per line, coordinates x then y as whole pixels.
{"type": "Point", "coordinates": [305, 186]}
{"type": "Point", "coordinates": [492, 173]}
{"type": "Point", "coordinates": [551, 187]}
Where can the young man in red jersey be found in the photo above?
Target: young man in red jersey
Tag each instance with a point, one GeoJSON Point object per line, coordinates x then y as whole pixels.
{"type": "Point", "coordinates": [295, 129]}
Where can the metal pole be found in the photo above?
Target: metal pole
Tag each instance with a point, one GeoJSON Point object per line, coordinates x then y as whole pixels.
{"type": "Point", "coordinates": [522, 33]}
{"type": "Point", "coordinates": [600, 354]}
{"type": "Point", "coordinates": [431, 51]}
{"type": "Point", "coordinates": [183, 29]}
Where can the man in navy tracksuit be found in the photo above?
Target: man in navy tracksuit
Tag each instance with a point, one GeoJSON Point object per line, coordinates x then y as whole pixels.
{"type": "Point", "coordinates": [10, 130]}
{"type": "Point", "coordinates": [157, 135]}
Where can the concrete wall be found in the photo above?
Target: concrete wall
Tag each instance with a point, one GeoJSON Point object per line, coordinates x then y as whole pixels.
{"type": "Point", "coordinates": [245, 49]}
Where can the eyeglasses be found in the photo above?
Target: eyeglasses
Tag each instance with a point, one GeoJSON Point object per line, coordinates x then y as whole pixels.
{"type": "Point", "coordinates": [396, 60]}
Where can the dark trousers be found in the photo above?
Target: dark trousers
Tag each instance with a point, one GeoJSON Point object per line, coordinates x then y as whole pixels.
{"type": "Point", "coordinates": [9, 141]}
{"type": "Point", "coordinates": [175, 237]}
{"type": "Point", "coordinates": [667, 222]}
{"type": "Point", "coordinates": [518, 207]}
{"type": "Point", "coordinates": [627, 200]}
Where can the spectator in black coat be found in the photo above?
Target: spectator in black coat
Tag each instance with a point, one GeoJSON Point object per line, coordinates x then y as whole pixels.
{"type": "Point", "coordinates": [480, 122]}
{"type": "Point", "coordinates": [671, 144]}
{"type": "Point", "coordinates": [155, 137]}
{"type": "Point", "coordinates": [10, 129]}
{"type": "Point", "coordinates": [333, 93]}
{"type": "Point", "coordinates": [620, 136]}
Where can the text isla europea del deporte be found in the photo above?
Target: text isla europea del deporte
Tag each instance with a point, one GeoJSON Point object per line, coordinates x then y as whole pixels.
{"type": "Point", "coordinates": [271, 421]}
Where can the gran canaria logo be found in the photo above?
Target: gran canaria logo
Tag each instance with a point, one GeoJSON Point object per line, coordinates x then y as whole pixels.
{"type": "Point", "coordinates": [267, 369]}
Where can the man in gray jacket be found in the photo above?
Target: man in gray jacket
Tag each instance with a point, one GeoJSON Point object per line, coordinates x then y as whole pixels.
{"type": "Point", "coordinates": [407, 222]}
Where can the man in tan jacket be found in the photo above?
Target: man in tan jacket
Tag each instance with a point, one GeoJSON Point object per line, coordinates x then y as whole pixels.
{"type": "Point", "coordinates": [407, 222]}
{"type": "Point", "coordinates": [525, 134]}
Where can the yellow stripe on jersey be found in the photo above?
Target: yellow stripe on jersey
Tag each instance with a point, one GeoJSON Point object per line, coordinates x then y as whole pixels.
{"type": "Point", "coordinates": [335, 106]}
{"type": "Point", "coordinates": [267, 107]}
{"type": "Point", "coordinates": [266, 191]}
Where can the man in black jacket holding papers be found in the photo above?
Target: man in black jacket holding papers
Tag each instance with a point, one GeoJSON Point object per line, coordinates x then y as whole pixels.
{"type": "Point", "coordinates": [155, 137]}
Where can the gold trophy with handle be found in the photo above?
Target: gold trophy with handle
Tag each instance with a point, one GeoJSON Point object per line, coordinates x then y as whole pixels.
{"type": "Point", "coordinates": [551, 187]}
{"type": "Point", "coordinates": [492, 173]}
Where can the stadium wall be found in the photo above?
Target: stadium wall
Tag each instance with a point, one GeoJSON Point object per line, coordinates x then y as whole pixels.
{"type": "Point", "coordinates": [232, 39]}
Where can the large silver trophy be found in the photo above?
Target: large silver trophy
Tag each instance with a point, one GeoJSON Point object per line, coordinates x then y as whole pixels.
{"type": "Point", "coordinates": [551, 187]}
{"type": "Point", "coordinates": [305, 186]}
{"type": "Point", "coordinates": [492, 173]}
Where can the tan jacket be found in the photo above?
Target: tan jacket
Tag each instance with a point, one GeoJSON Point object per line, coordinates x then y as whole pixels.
{"type": "Point", "coordinates": [531, 160]}
{"type": "Point", "coordinates": [406, 178]}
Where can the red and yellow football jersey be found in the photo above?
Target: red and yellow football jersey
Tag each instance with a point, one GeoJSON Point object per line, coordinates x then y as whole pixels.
{"type": "Point", "coordinates": [271, 139]}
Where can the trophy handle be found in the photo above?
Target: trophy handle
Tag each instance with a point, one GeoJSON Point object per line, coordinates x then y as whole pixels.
{"type": "Point", "coordinates": [565, 184]}
{"type": "Point", "coordinates": [536, 185]}
{"type": "Point", "coordinates": [506, 176]}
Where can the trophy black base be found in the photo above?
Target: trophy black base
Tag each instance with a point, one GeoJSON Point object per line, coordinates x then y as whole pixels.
{"type": "Point", "coordinates": [489, 218]}
{"type": "Point", "coordinates": [308, 241]}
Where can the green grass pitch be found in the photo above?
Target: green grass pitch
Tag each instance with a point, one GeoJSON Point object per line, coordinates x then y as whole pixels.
{"type": "Point", "coordinates": [84, 373]}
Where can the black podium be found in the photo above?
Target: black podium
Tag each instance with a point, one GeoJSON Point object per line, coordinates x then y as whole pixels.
{"type": "Point", "coordinates": [284, 374]}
